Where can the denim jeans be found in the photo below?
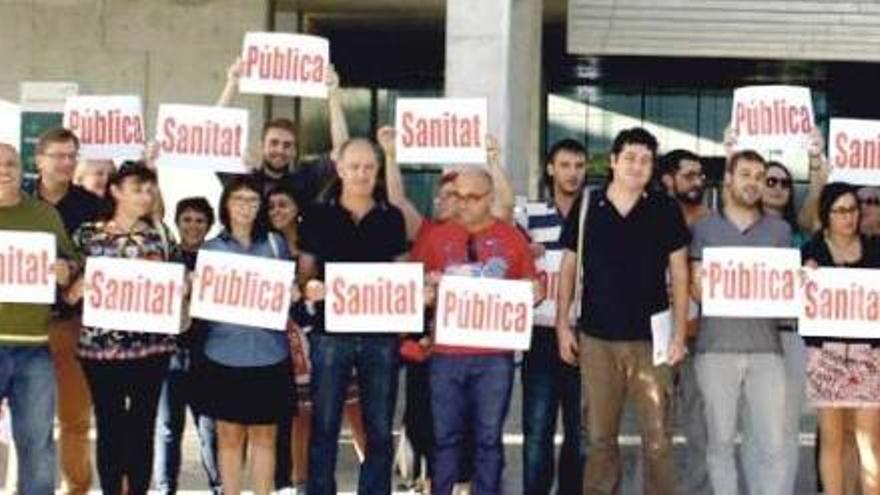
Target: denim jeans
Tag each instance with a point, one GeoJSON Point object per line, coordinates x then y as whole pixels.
{"type": "Point", "coordinates": [170, 422]}
{"type": "Point", "coordinates": [548, 384]}
{"type": "Point", "coordinates": [27, 381]}
{"type": "Point", "coordinates": [469, 394]}
{"type": "Point", "coordinates": [375, 357]}
{"type": "Point", "coordinates": [759, 379]}
{"type": "Point", "coordinates": [125, 394]}
{"type": "Point", "coordinates": [692, 417]}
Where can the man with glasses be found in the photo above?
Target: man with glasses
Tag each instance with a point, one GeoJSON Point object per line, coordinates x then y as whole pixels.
{"type": "Point", "coordinates": [57, 152]}
{"type": "Point", "coordinates": [869, 199]}
{"type": "Point", "coordinates": [471, 387]}
{"type": "Point", "coordinates": [682, 175]}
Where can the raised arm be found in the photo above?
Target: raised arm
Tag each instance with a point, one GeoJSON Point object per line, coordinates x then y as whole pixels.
{"type": "Point", "coordinates": [808, 217]}
{"type": "Point", "coordinates": [233, 74]}
{"type": "Point", "coordinates": [338, 124]}
{"type": "Point", "coordinates": [394, 182]}
{"type": "Point", "coordinates": [502, 208]}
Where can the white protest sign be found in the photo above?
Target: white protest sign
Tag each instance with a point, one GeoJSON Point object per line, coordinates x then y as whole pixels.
{"type": "Point", "coordinates": [133, 295]}
{"type": "Point", "coordinates": [374, 297]}
{"type": "Point", "coordinates": [285, 64]}
{"type": "Point", "coordinates": [206, 138]}
{"type": "Point", "coordinates": [10, 124]}
{"type": "Point", "coordinates": [854, 151]}
{"type": "Point", "coordinates": [27, 267]}
{"type": "Point", "coordinates": [441, 130]}
{"type": "Point", "coordinates": [241, 289]}
{"type": "Point", "coordinates": [749, 282]}
{"type": "Point", "coordinates": [108, 127]}
{"type": "Point", "coordinates": [484, 313]}
{"type": "Point", "coordinates": [545, 313]}
{"type": "Point", "coordinates": [841, 302]}
{"type": "Point", "coordinates": [772, 117]}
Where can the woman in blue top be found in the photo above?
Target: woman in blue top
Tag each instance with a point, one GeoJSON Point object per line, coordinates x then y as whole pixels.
{"type": "Point", "coordinates": [247, 384]}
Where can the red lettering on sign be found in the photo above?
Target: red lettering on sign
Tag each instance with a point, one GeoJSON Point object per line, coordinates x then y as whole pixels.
{"type": "Point", "coordinates": [131, 295]}
{"type": "Point", "coordinates": [207, 138]}
{"type": "Point", "coordinates": [856, 153]}
{"type": "Point", "coordinates": [855, 302]}
{"type": "Point", "coordinates": [284, 64]}
{"type": "Point", "coordinates": [776, 118]}
{"type": "Point", "coordinates": [232, 287]}
{"type": "Point", "coordinates": [20, 267]}
{"type": "Point", "coordinates": [749, 281]}
{"type": "Point", "coordinates": [447, 131]}
{"type": "Point", "coordinates": [383, 297]}
{"type": "Point", "coordinates": [106, 127]}
{"type": "Point", "coordinates": [483, 312]}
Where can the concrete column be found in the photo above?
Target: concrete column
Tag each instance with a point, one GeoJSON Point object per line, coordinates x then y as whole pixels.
{"type": "Point", "coordinates": [493, 48]}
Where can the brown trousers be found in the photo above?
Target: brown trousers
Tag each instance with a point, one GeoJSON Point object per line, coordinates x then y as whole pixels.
{"type": "Point", "coordinates": [74, 406]}
{"type": "Point", "coordinates": [611, 373]}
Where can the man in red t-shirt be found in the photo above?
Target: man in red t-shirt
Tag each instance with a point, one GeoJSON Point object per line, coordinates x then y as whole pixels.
{"type": "Point", "coordinates": [470, 387]}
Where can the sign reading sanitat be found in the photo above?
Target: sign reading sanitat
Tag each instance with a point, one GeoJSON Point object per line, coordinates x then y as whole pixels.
{"type": "Point", "coordinates": [27, 267]}
{"type": "Point", "coordinates": [374, 297]}
{"type": "Point", "coordinates": [772, 117]}
{"type": "Point", "coordinates": [204, 138]}
{"type": "Point", "coordinates": [441, 130]}
{"type": "Point", "coordinates": [285, 64]}
{"type": "Point", "coordinates": [841, 303]}
{"type": "Point", "coordinates": [854, 151]}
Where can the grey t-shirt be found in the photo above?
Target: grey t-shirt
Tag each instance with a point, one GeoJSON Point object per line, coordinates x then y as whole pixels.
{"type": "Point", "coordinates": [741, 335]}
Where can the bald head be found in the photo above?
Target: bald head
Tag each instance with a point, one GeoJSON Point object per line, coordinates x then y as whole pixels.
{"type": "Point", "coordinates": [476, 176]}
{"type": "Point", "coordinates": [10, 172]}
{"type": "Point", "coordinates": [473, 191]}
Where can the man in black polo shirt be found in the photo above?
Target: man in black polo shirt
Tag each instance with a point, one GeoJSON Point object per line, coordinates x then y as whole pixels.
{"type": "Point", "coordinates": [357, 224]}
{"type": "Point", "coordinates": [632, 236]}
{"type": "Point", "coordinates": [57, 151]}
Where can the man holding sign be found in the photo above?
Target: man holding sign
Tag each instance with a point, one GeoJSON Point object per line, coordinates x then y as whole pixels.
{"type": "Point", "coordinates": [550, 384]}
{"type": "Point", "coordinates": [27, 378]}
{"type": "Point", "coordinates": [471, 386]}
{"type": "Point", "coordinates": [741, 356]}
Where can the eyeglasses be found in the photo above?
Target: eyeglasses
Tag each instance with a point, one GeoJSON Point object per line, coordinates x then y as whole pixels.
{"type": "Point", "coordinates": [844, 210]}
{"type": "Point", "coordinates": [775, 181]}
{"type": "Point", "coordinates": [470, 198]}
{"type": "Point", "coordinates": [472, 254]}
{"type": "Point", "coordinates": [691, 176]}
{"type": "Point", "coordinates": [872, 201]}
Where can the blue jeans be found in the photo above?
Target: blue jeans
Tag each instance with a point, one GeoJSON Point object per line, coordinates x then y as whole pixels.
{"type": "Point", "coordinates": [376, 360]}
{"type": "Point", "coordinates": [469, 393]}
{"type": "Point", "coordinates": [27, 381]}
{"type": "Point", "coordinates": [548, 384]}
{"type": "Point", "coordinates": [170, 421]}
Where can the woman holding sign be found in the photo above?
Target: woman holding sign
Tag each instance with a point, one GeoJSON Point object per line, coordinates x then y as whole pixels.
{"type": "Point", "coordinates": [246, 383]}
{"type": "Point", "coordinates": [843, 375]}
{"type": "Point", "coordinates": [125, 369]}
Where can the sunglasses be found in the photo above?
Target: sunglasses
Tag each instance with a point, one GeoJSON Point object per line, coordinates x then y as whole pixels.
{"type": "Point", "coordinates": [774, 182]}
{"type": "Point", "coordinates": [869, 201]}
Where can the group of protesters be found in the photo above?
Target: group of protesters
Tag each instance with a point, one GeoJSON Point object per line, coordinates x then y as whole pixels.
{"type": "Point", "coordinates": [276, 400]}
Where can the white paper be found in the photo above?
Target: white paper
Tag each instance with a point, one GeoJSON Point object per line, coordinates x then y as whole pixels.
{"type": "Point", "coordinates": [841, 303]}
{"type": "Point", "coordinates": [27, 273]}
{"type": "Point", "coordinates": [854, 151]}
{"type": "Point", "coordinates": [374, 297]}
{"type": "Point", "coordinates": [108, 127]}
{"type": "Point", "coordinates": [661, 336]}
{"type": "Point", "coordinates": [506, 312]}
{"type": "Point", "coordinates": [750, 282]}
{"type": "Point", "coordinates": [48, 97]}
{"type": "Point", "coordinates": [133, 294]}
{"type": "Point", "coordinates": [772, 117]}
{"type": "Point", "coordinates": [285, 64]}
{"type": "Point", "coordinates": [441, 130]}
{"type": "Point", "coordinates": [240, 289]}
{"type": "Point", "coordinates": [204, 138]}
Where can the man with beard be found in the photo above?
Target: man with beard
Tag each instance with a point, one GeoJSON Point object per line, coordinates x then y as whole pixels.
{"type": "Point", "coordinates": [741, 358]}
{"type": "Point", "coordinates": [682, 174]}
{"type": "Point", "coordinates": [550, 384]}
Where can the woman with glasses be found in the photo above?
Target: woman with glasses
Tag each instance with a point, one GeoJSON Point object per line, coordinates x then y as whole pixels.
{"type": "Point", "coordinates": [843, 375]}
{"type": "Point", "coordinates": [245, 383]}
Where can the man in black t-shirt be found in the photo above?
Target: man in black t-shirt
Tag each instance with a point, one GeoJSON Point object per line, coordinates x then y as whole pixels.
{"type": "Point", "coordinates": [632, 236]}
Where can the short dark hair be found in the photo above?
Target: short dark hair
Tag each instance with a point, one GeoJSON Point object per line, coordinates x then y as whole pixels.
{"type": "Point", "coordinates": [566, 144]}
{"type": "Point", "coordinates": [260, 229]}
{"type": "Point", "coordinates": [744, 155]}
{"type": "Point", "coordinates": [635, 135]}
{"type": "Point", "coordinates": [195, 203]}
{"type": "Point", "coordinates": [670, 163]}
{"type": "Point", "coordinates": [137, 170]}
{"type": "Point", "coordinates": [279, 123]}
{"type": "Point", "coordinates": [829, 195]}
{"type": "Point", "coordinates": [55, 135]}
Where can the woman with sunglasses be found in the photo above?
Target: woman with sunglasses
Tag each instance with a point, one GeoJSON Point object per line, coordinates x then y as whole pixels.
{"type": "Point", "coordinates": [245, 382]}
{"type": "Point", "coordinates": [843, 380]}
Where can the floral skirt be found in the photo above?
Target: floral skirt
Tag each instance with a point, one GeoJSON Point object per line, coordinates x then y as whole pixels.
{"type": "Point", "coordinates": [843, 375]}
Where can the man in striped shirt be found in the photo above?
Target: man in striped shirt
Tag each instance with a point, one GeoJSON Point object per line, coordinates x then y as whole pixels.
{"type": "Point", "coordinates": [548, 382]}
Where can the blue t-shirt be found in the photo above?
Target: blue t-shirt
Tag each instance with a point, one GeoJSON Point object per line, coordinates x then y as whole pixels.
{"type": "Point", "coordinates": [231, 344]}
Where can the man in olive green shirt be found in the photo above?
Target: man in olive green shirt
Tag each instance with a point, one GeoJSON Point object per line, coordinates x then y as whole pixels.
{"type": "Point", "coordinates": [27, 377]}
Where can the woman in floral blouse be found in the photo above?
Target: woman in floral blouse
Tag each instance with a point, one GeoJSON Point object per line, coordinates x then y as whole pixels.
{"type": "Point", "coordinates": [125, 369]}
